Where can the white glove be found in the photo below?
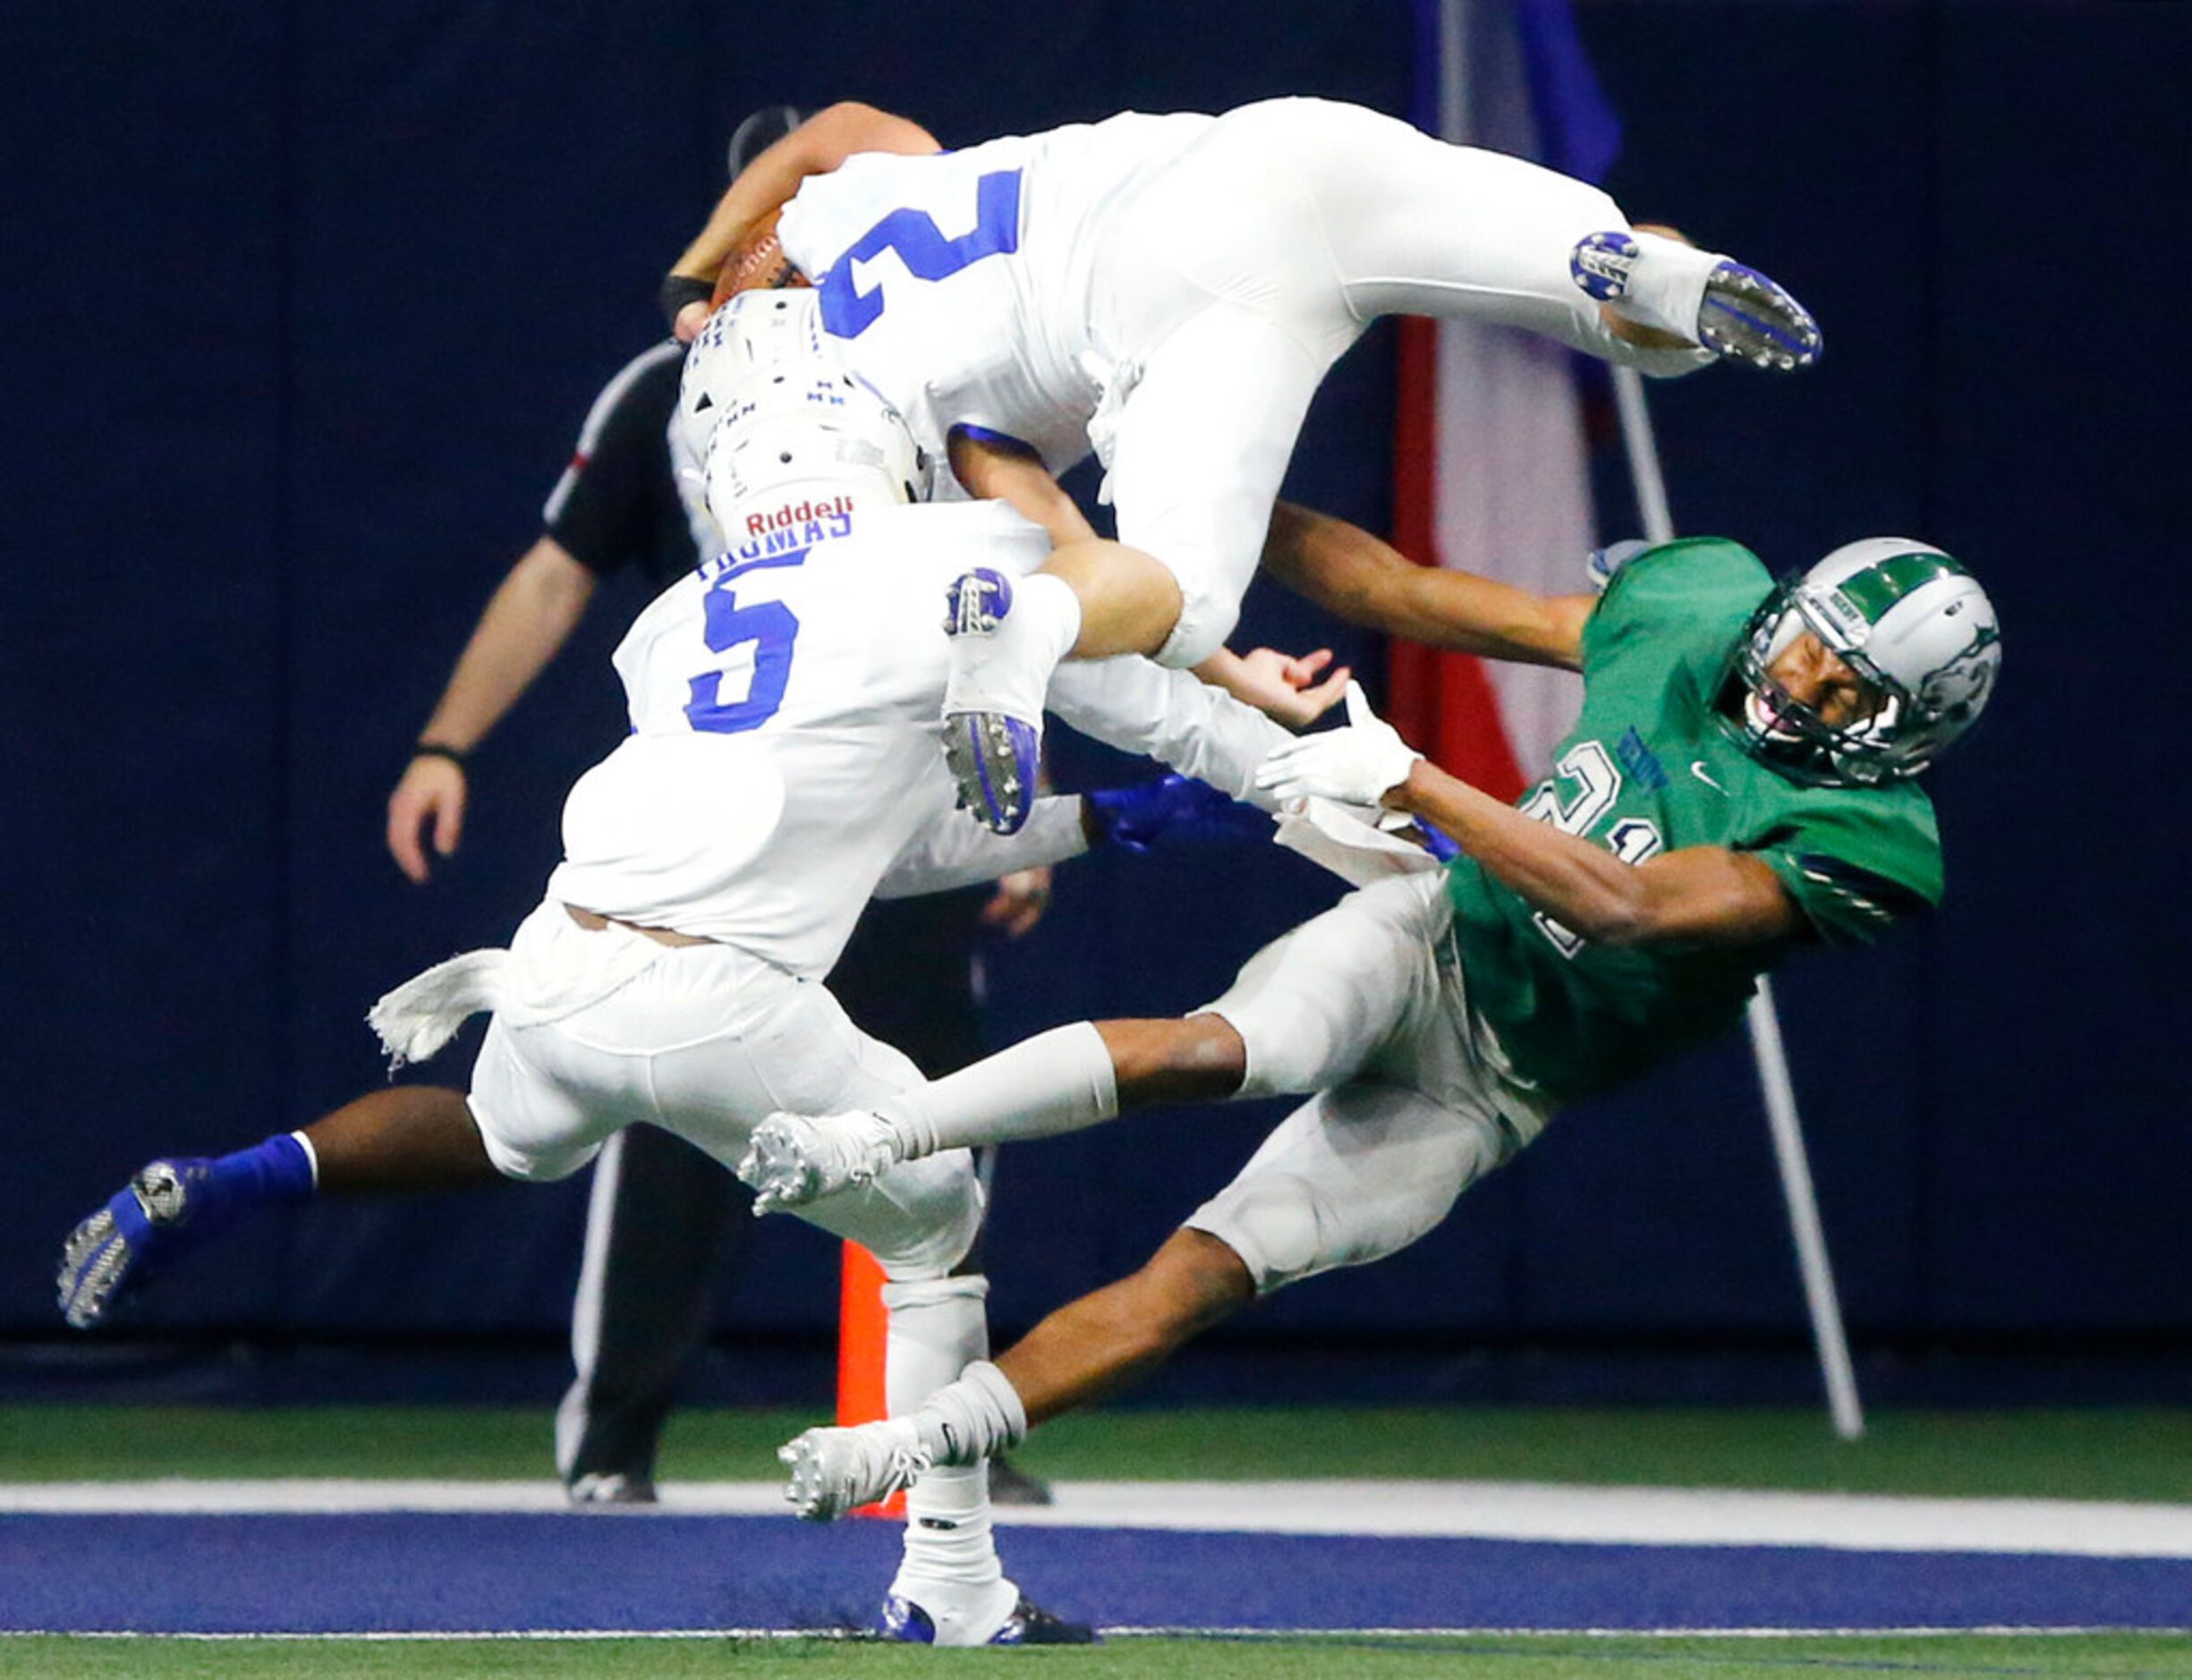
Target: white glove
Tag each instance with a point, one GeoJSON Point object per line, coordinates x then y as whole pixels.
{"type": "Point", "coordinates": [1356, 766]}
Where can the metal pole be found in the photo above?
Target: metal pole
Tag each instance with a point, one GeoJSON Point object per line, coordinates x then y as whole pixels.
{"type": "Point", "coordinates": [1767, 1053]}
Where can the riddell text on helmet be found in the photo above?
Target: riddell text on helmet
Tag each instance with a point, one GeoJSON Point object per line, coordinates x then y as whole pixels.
{"type": "Point", "coordinates": [797, 514]}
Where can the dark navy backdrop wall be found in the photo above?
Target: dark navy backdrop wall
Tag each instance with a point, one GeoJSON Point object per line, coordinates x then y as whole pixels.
{"type": "Point", "coordinates": [303, 305]}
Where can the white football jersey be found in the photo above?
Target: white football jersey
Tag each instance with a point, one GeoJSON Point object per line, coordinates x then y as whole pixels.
{"type": "Point", "coordinates": [786, 736]}
{"type": "Point", "coordinates": [960, 281]}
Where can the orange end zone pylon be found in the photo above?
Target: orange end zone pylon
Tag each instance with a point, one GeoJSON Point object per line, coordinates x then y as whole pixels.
{"type": "Point", "coordinates": [863, 1330]}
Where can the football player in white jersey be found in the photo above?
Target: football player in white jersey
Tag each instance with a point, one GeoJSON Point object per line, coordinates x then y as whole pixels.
{"type": "Point", "coordinates": [1168, 292]}
{"type": "Point", "coordinates": [782, 768]}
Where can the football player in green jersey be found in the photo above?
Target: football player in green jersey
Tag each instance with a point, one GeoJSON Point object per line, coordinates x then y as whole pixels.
{"type": "Point", "coordinates": [1739, 784]}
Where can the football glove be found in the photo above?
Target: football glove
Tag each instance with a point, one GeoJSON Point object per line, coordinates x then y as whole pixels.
{"type": "Point", "coordinates": [1356, 766]}
{"type": "Point", "coordinates": [1174, 810]}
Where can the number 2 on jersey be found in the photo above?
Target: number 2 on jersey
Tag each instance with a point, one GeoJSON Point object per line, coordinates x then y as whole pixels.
{"type": "Point", "coordinates": [847, 312]}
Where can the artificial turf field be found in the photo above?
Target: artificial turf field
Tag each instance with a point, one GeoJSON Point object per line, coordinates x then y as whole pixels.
{"type": "Point", "coordinates": [1534, 1657]}
{"type": "Point", "coordinates": [2119, 1455]}
{"type": "Point", "coordinates": [2136, 1453]}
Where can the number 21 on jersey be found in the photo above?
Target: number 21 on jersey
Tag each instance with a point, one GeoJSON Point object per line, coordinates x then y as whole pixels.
{"type": "Point", "coordinates": [1598, 785]}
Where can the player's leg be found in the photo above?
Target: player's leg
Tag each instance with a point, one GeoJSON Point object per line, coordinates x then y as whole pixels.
{"type": "Point", "coordinates": [906, 977]}
{"type": "Point", "coordinates": [1416, 226]}
{"type": "Point", "coordinates": [1200, 449]}
{"type": "Point", "coordinates": [1211, 371]}
{"type": "Point", "coordinates": [765, 1038]}
{"type": "Point", "coordinates": [950, 1587]}
{"type": "Point", "coordinates": [1352, 1175]}
{"type": "Point", "coordinates": [662, 1221]}
{"type": "Point", "coordinates": [1305, 1012]}
{"type": "Point", "coordinates": [659, 1223]}
{"type": "Point", "coordinates": [1112, 1337]}
{"type": "Point", "coordinates": [406, 1137]}
{"type": "Point", "coordinates": [1090, 599]}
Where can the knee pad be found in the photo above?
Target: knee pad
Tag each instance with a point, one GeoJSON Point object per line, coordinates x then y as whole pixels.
{"type": "Point", "coordinates": [1206, 619]}
{"type": "Point", "coordinates": [1272, 1224]}
{"type": "Point", "coordinates": [538, 1168]}
{"type": "Point", "coordinates": [927, 1214]}
{"type": "Point", "coordinates": [530, 1164]}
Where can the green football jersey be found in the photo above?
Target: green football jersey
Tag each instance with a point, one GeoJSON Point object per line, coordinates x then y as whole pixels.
{"type": "Point", "coordinates": [1652, 768]}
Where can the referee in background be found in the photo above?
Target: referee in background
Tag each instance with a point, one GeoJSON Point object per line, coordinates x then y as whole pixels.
{"type": "Point", "coordinates": [660, 1221]}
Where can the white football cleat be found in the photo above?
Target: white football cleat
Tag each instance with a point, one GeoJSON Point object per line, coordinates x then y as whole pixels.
{"type": "Point", "coordinates": [993, 700]}
{"type": "Point", "coordinates": [833, 1471]}
{"type": "Point", "coordinates": [793, 1159]}
{"type": "Point", "coordinates": [1729, 306]}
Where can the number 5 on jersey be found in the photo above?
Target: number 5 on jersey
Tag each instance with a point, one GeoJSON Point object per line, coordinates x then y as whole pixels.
{"type": "Point", "coordinates": [769, 628]}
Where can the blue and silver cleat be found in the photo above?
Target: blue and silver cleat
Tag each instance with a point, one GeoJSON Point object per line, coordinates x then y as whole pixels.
{"type": "Point", "coordinates": [1743, 316]}
{"type": "Point", "coordinates": [992, 711]}
{"type": "Point", "coordinates": [1747, 317]}
{"type": "Point", "coordinates": [1029, 1623]}
{"type": "Point", "coordinates": [112, 1253]}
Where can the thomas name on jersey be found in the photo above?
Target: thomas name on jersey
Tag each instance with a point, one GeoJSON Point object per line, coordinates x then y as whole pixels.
{"type": "Point", "coordinates": [791, 531]}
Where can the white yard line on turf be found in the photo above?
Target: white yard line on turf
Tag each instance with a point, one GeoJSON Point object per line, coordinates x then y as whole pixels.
{"type": "Point", "coordinates": [1525, 1511]}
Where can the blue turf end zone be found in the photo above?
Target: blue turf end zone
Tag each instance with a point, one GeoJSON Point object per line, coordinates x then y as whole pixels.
{"type": "Point", "coordinates": [441, 1572]}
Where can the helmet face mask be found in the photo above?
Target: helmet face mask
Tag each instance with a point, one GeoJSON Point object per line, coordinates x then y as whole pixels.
{"type": "Point", "coordinates": [1910, 623]}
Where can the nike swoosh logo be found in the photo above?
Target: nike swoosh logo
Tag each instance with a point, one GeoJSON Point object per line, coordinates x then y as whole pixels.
{"type": "Point", "coordinates": [1697, 769]}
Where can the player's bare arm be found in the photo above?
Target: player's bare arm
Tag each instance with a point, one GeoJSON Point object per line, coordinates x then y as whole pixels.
{"type": "Point", "coordinates": [998, 469]}
{"type": "Point", "coordinates": [815, 147]}
{"type": "Point", "coordinates": [1129, 597]}
{"type": "Point", "coordinates": [1697, 895]}
{"type": "Point", "coordinates": [1294, 690]}
{"type": "Point", "coordinates": [1357, 577]}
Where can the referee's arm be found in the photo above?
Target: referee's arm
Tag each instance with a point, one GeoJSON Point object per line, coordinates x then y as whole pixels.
{"type": "Point", "coordinates": [527, 621]}
{"type": "Point", "coordinates": [600, 516]}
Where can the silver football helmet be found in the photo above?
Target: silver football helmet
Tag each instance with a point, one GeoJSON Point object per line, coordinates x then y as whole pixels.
{"type": "Point", "coordinates": [1911, 623]}
{"type": "Point", "coordinates": [779, 411]}
{"type": "Point", "coordinates": [778, 329]}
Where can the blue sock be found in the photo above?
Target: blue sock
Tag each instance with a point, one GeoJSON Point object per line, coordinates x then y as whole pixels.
{"type": "Point", "coordinates": [269, 1174]}
{"type": "Point", "coordinates": [217, 1193]}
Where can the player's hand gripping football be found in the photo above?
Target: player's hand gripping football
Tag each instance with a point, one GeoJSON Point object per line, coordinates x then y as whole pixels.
{"type": "Point", "coordinates": [1356, 765]}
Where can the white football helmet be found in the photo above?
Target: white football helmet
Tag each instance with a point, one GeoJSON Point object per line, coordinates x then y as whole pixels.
{"type": "Point", "coordinates": [767, 329]}
{"type": "Point", "coordinates": [777, 412]}
{"type": "Point", "coordinates": [1908, 620]}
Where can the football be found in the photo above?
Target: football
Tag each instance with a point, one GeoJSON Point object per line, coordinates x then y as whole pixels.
{"type": "Point", "coordinates": [756, 263]}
